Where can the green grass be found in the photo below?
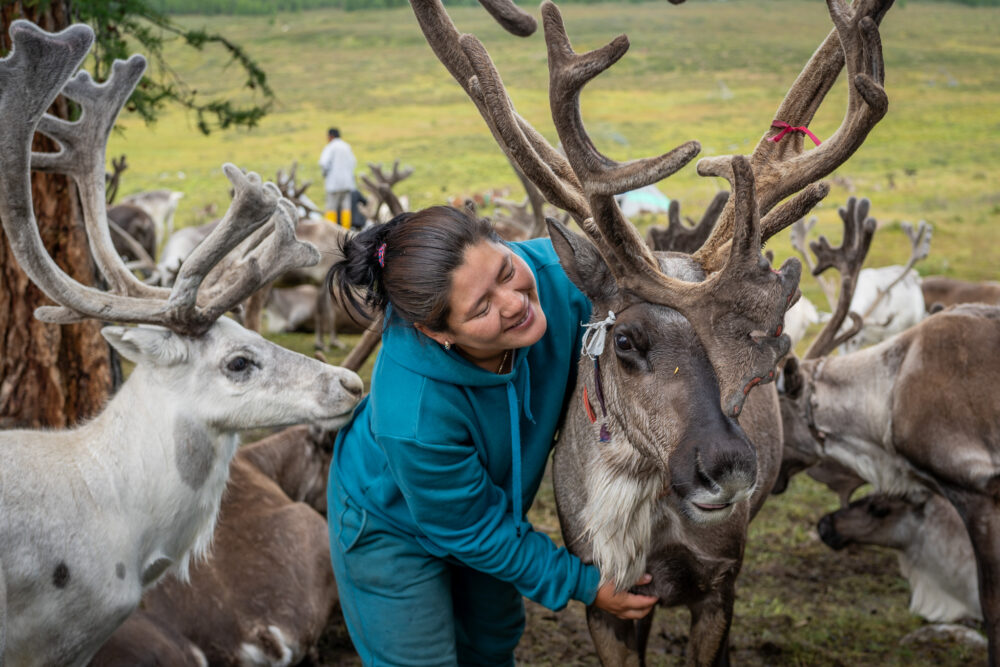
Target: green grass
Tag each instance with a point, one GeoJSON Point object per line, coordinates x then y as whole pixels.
{"type": "Point", "coordinates": [934, 157]}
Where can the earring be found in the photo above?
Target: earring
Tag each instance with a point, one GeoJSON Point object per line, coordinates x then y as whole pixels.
{"type": "Point", "coordinates": [447, 345]}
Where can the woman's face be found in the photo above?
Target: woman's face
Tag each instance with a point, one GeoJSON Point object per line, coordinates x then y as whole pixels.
{"type": "Point", "coordinates": [494, 305]}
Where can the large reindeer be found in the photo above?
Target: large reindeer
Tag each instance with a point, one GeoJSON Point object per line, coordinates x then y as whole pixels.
{"type": "Point", "coordinates": [652, 471]}
{"type": "Point", "coordinates": [91, 516]}
{"type": "Point", "coordinates": [913, 415]}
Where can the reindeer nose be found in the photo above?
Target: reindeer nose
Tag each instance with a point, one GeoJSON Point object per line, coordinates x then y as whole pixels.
{"type": "Point", "coordinates": [727, 461]}
{"type": "Point", "coordinates": [828, 533]}
{"type": "Point", "coordinates": [352, 383]}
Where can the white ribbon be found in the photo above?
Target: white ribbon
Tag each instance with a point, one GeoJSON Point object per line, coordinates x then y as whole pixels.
{"type": "Point", "coordinates": [595, 334]}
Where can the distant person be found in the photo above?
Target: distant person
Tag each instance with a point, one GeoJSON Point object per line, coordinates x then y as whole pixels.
{"type": "Point", "coordinates": [337, 162]}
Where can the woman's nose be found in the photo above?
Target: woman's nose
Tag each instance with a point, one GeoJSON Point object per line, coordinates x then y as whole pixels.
{"type": "Point", "coordinates": [511, 303]}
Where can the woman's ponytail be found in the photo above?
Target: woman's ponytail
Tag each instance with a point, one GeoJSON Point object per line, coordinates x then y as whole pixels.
{"type": "Point", "coordinates": [356, 280]}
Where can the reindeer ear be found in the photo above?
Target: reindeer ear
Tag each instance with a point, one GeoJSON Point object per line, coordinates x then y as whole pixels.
{"type": "Point", "coordinates": [582, 263]}
{"type": "Point", "coordinates": [147, 344]}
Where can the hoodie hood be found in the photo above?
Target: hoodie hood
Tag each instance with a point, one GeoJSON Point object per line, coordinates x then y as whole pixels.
{"type": "Point", "coordinates": [416, 352]}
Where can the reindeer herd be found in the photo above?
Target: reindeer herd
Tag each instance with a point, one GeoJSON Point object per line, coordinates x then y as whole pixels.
{"type": "Point", "coordinates": [150, 536]}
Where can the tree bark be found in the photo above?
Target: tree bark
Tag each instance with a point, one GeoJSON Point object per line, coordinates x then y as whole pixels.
{"type": "Point", "coordinates": [50, 375]}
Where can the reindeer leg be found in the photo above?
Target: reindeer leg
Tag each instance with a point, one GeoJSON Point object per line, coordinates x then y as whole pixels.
{"type": "Point", "coordinates": [710, 622]}
{"type": "Point", "coordinates": [321, 319]}
{"type": "Point", "coordinates": [618, 642]}
{"type": "Point", "coordinates": [981, 515]}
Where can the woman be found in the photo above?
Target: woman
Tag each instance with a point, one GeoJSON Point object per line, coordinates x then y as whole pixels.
{"type": "Point", "coordinates": [431, 479]}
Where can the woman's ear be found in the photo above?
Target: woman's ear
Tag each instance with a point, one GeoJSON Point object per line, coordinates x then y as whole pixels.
{"type": "Point", "coordinates": [439, 337]}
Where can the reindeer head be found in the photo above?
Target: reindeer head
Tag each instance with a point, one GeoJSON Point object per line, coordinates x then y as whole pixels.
{"type": "Point", "coordinates": [226, 377]}
{"type": "Point", "coordinates": [716, 316]}
{"type": "Point", "coordinates": [877, 519]}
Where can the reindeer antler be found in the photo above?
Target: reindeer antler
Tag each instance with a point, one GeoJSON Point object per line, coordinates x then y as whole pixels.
{"type": "Point", "coordinates": [784, 167]}
{"type": "Point", "coordinates": [677, 237]}
{"type": "Point", "coordinates": [381, 186]}
{"type": "Point", "coordinates": [291, 190]}
{"type": "Point", "coordinates": [742, 301]}
{"type": "Point", "coordinates": [37, 69]}
{"type": "Point", "coordinates": [848, 259]}
{"type": "Point", "coordinates": [799, 236]}
{"type": "Point", "coordinates": [113, 180]}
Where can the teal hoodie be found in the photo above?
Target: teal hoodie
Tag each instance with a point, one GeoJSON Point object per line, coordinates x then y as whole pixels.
{"type": "Point", "coordinates": [452, 454]}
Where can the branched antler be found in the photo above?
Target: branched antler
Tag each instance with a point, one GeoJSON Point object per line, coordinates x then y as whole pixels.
{"type": "Point", "coordinates": [848, 259]}
{"type": "Point", "coordinates": [113, 180]}
{"type": "Point", "coordinates": [799, 236]}
{"type": "Point", "coordinates": [381, 186]}
{"type": "Point", "coordinates": [293, 191]}
{"type": "Point", "coordinates": [677, 237]}
{"type": "Point", "coordinates": [738, 311]}
{"type": "Point", "coordinates": [36, 71]}
{"type": "Point", "coordinates": [784, 167]}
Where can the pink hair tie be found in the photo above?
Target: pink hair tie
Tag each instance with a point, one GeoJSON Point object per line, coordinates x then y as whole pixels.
{"type": "Point", "coordinates": [786, 128]}
{"type": "Point", "coordinates": [380, 253]}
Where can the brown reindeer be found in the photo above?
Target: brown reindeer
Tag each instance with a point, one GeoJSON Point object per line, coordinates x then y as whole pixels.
{"type": "Point", "coordinates": [663, 478]}
{"type": "Point", "coordinates": [941, 292]}
{"type": "Point", "coordinates": [913, 415]}
{"type": "Point", "coordinates": [264, 593]}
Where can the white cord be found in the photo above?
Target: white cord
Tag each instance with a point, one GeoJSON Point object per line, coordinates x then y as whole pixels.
{"type": "Point", "coordinates": [595, 335]}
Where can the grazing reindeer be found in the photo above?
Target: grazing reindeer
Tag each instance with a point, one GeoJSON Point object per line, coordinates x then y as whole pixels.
{"type": "Point", "coordinates": [935, 554]}
{"type": "Point", "coordinates": [652, 471]}
{"type": "Point", "coordinates": [91, 516]}
{"type": "Point", "coordinates": [160, 206]}
{"type": "Point", "coordinates": [264, 594]}
{"type": "Point", "coordinates": [913, 415]}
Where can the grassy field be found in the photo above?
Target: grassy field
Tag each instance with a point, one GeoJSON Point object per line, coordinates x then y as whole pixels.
{"type": "Point", "coordinates": [714, 71]}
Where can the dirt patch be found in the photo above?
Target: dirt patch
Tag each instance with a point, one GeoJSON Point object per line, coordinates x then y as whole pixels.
{"type": "Point", "coordinates": [798, 603]}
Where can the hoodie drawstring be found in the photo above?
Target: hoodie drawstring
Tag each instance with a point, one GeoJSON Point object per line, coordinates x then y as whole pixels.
{"type": "Point", "coordinates": [515, 435]}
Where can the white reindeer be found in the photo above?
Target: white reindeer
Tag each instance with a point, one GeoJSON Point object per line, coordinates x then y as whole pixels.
{"type": "Point", "coordinates": [888, 298]}
{"type": "Point", "coordinates": [91, 516]}
{"type": "Point", "coordinates": [160, 205]}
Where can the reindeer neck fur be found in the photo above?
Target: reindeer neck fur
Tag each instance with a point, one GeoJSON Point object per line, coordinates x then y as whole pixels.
{"type": "Point", "coordinates": [173, 469]}
{"type": "Point", "coordinates": [850, 400]}
{"type": "Point", "coordinates": [619, 513]}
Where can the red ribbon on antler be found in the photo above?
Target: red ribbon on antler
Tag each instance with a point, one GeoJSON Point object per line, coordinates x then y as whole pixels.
{"type": "Point", "coordinates": [786, 128]}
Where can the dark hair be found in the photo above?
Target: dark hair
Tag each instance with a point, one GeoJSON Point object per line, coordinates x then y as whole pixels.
{"type": "Point", "coordinates": [333, 132]}
{"type": "Point", "coordinates": [422, 249]}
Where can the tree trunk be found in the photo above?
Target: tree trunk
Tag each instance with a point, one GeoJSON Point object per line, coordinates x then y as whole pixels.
{"type": "Point", "coordinates": [50, 375]}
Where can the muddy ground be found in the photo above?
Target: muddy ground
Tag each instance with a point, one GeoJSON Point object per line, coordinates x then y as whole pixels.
{"type": "Point", "coordinates": [799, 603]}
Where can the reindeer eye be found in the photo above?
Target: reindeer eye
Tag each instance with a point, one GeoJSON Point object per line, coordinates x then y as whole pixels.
{"type": "Point", "coordinates": [238, 365]}
{"type": "Point", "coordinates": [622, 342]}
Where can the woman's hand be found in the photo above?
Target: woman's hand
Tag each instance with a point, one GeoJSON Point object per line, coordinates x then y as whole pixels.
{"type": "Point", "coordinates": [625, 605]}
